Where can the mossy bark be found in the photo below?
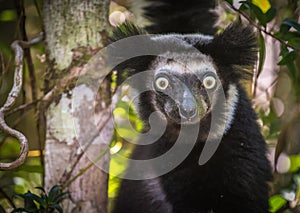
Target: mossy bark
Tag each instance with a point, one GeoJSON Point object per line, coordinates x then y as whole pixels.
{"type": "Point", "coordinates": [70, 27]}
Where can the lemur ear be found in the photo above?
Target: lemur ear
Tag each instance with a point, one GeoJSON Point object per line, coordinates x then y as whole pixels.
{"type": "Point", "coordinates": [125, 30]}
{"type": "Point", "coordinates": [236, 47]}
{"type": "Point", "coordinates": [234, 51]}
{"type": "Point", "coordinates": [128, 56]}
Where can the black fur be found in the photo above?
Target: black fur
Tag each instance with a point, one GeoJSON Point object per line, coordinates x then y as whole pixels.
{"type": "Point", "coordinates": [235, 179]}
{"type": "Point", "coordinates": [180, 16]}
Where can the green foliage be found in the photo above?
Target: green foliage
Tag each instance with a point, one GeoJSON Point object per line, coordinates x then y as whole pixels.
{"type": "Point", "coordinates": [276, 203]}
{"type": "Point", "coordinates": [262, 52]}
{"type": "Point", "coordinates": [277, 128]}
{"type": "Point", "coordinates": [8, 15]}
{"type": "Point", "coordinates": [124, 110]}
{"type": "Point", "coordinates": [262, 17]}
{"type": "Point", "coordinates": [44, 202]}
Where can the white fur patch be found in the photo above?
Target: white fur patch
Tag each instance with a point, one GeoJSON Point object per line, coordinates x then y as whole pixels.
{"type": "Point", "coordinates": [191, 67]}
{"type": "Point", "coordinates": [193, 38]}
{"type": "Point", "coordinates": [221, 127]}
{"type": "Point", "coordinates": [156, 192]}
{"type": "Point", "coordinates": [231, 104]}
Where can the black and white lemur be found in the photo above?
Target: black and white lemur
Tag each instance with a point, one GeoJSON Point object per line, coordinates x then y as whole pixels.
{"type": "Point", "coordinates": [185, 87]}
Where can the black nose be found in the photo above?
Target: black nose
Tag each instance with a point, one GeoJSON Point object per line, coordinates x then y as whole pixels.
{"type": "Point", "coordinates": [188, 109]}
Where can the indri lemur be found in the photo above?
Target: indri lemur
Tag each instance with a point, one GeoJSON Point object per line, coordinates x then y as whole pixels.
{"type": "Point", "coordinates": [186, 87]}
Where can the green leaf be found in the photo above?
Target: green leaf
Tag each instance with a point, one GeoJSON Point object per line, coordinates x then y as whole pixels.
{"type": "Point", "coordinates": [8, 15]}
{"type": "Point", "coordinates": [229, 1]}
{"type": "Point", "coordinates": [270, 14]}
{"type": "Point", "coordinates": [32, 168]}
{"type": "Point", "coordinates": [60, 197]}
{"type": "Point", "coordinates": [288, 35]}
{"type": "Point", "coordinates": [291, 23]}
{"type": "Point", "coordinates": [262, 52]}
{"type": "Point", "coordinates": [276, 202]}
{"type": "Point", "coordinates": [58, 208]}
{"type": "Point", "coordinates": [29, 204]}
{"type": "Point", "coordinates": [288, 58]}
{"type": "Point", "coordinates": [264, 5]}
{"type": "Point", "coordinates": [295, 163]}
{"type": "Point", "coordinates": [262, 17]}
{"type": "Point", "coordinates": [35, 198]}
{"type": "Point", "coordinates": [21, 195]}
{"type": "Point", "coordinates": [53, 192]}
{"type": "Point", "coordinates": [295, 42]}
{"type": "Point", "coordinates": [41, 188]}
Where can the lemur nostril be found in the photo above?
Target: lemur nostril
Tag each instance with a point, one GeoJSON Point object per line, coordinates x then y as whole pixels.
{"type": "Point", "coordinates": [188, 112]}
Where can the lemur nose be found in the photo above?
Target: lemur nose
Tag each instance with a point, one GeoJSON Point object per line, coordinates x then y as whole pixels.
{"type": "Point", "coordinates": [188, 108]}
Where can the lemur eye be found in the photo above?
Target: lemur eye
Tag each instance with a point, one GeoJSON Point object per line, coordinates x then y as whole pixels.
{"type": "Point", "coordinates": [209, 82]}
{"type": "Point", "coordinates": [161, 83]}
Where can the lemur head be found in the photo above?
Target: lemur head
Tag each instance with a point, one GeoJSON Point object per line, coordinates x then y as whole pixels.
{"type": "Point", "coordinates": [189, 72]}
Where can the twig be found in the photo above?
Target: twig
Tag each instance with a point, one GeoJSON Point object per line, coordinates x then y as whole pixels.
{"type": "Point", "coordinates": [262, 29]}
{"type": "Point", "coordinates": [27, 55]}
{"type": "Point", "coordinates": [23, 107]}
{"type": "Point", "coordinates": [82, 171]}
{"type": "Point", "coordinates": [13, 94]}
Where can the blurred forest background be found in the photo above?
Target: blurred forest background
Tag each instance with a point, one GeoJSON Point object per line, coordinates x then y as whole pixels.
{"type": "Point", "coordinates": [275, 91]}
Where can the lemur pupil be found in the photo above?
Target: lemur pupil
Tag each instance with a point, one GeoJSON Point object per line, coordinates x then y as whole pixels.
{"type": "Point", "coordinates": [162, 84]}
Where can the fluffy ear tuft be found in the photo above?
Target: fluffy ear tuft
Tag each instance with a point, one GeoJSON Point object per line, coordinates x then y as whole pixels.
{"type": "Point", "coordinates": [237, 45]}
{"type": "Point", "coordinates": [125, 30]}
{"type": "Point", "coordinates": [124, 52]}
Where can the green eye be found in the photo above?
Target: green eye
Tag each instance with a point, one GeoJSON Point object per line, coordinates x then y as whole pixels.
{"type": "Point", "coordinates": [209, 82]}
{"type": "Point", "coordinates": [161, 83]}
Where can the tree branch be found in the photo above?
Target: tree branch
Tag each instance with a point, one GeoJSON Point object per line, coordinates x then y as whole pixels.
{"type": "Point", "coordinates": [262, 29]}
{"type": "Point", "coordinates": [13, 94]}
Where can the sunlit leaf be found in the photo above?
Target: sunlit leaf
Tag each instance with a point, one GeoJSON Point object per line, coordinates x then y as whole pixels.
{"type": "Point", "coordinates": [276, 202]}
{"type": "Point", "coordinates": [264, 5]}
{"type": "Point", "coordinates": [262, 17]}
{"type": "Point", "coordinates": [8, 15]}
{"type": "Point", "coordinates": [32, 168]}
{"type": "Point", "coordinates": [295, 163]}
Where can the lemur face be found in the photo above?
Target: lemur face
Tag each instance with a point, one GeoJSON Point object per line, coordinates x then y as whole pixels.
{"type": "Point", "coordinates": [185, 87]}
{"type": "Point", "coordinates": [191, 76]}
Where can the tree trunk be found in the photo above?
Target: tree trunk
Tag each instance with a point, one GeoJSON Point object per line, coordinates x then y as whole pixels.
{"type": "Point", "coordinates": [74, 30]}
